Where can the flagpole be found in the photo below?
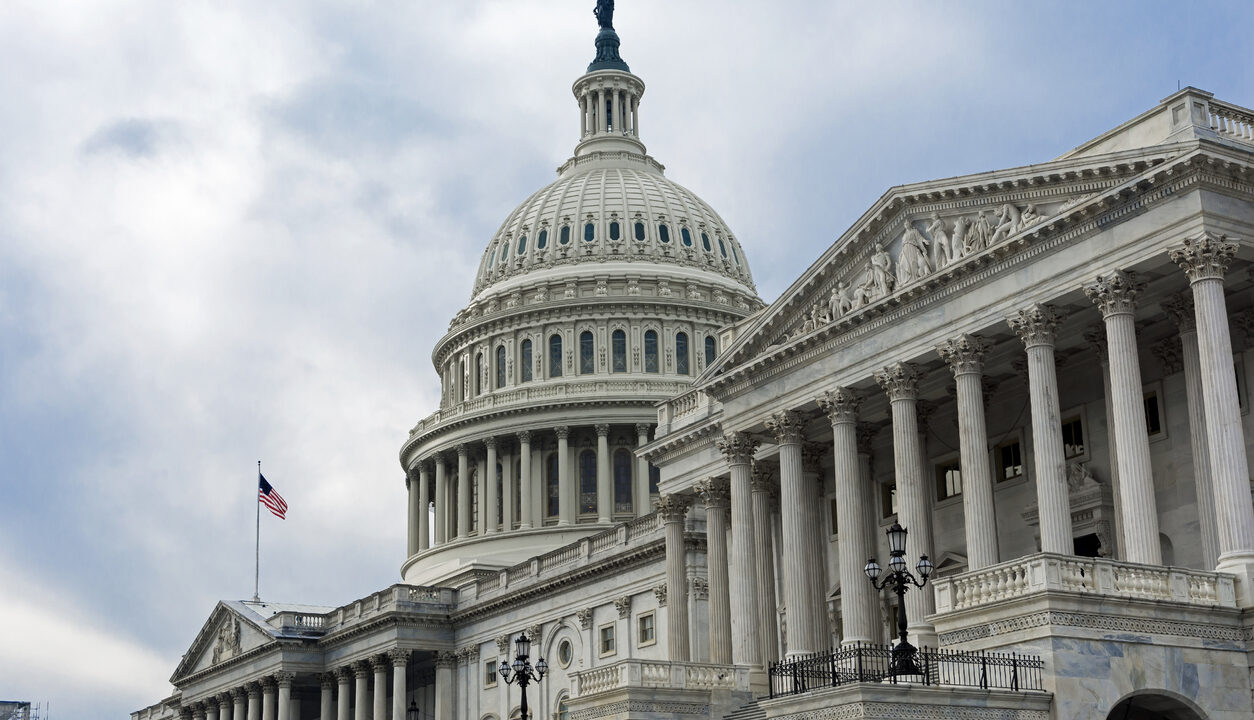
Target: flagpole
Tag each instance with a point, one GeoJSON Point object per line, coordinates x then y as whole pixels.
{"type": "Point", "coordinates": [257, 564]}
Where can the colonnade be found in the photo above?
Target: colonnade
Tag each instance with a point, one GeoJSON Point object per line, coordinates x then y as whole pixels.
{"type": "Point", "coordinates": [609, 110]}
{"type": "Point", "coordinates": [1225, 507]}
{"type": "Point", "coordinates": [463, 510]}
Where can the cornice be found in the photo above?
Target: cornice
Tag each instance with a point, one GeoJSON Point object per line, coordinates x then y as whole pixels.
{"type": "Point", "coordinates": [688, 440]}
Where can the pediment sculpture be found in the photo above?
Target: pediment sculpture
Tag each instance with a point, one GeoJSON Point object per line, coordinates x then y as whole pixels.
{"type": "Point", "coordinates": [227, 643]}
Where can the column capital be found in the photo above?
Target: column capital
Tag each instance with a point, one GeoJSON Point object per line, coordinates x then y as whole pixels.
{"type": "Point", "coordinates": [812, 458]}
{"type": "Point", "coordinates": [562, 432]}
{"type": "Point", "coordinates": [1035, 324]}
{"type": "Point", "coordinates": [716, 492]}
{"type": "Point", "coordinates": [623, 606]}
{"type": "Point", "coordinates": [659, 592]}
{"type": "Point", "coordinates": [1095, 336]}
{"type": "Point", "coordinates": [462, 450]}
{"type": "Point", "coordinates": [224, 700]}
{"type": "Point", "coordinates": [533, 632]}
{"type": "Point", "coordinates": [361, 668]}
{"type": "Point", "coordinates": [1168, 353]}
{"type": "Point", "coordinates": [737, 447]}
{"type": "Point", "coordinates": [1115, 293]}
{"type": "Point", "coordinates": [411, 474]}
{"type": "Point", "coordinates": [672, 508]}
{"type": "Point", "coordinates": [524, 436]}
{"type": "Point", "coordinates": [346, 672]}
{"type": "Point", "coordinates": [238, 693]}
{"type": "Point", "coordinates": [642, 430]}
{"type": "Point", "coordinates": [603, 429]}
{"type": "Point", "coordinates": [787, 426]}
{"type": "Point", "coordinates": [840, 404]}
{"type": "Point", "coordinates": [284, 678]}
{"type": "Point", "coordinates": [502, 645]}
{"type": "Point", "coordinates": [1244, 321]}
{"type": "Point", "coordinates": [326, 680]}
{"type": "Point", "coordinates": [584, 616]}
{"type": "Point", "coordinates": [965, 354]}
{"type": "Point", "coordinates": [445, 659]}
{"type": "Point", "coordinates": [866, 433]}
{"type": "Point", "coordinates": [268, 683]}
{"type": "Point", "coordinates": [760, 481]}
{"type": "Point", "coordinates": [899, 380]}
{"type": "Point", "coordinates": [399, 657]}
{"type": "Point", "coordinates": [1205, 257]}
{"type": "Point", "coordinates": [489, 443]}
{"type": "Point", "coordinates": [1179, 308]}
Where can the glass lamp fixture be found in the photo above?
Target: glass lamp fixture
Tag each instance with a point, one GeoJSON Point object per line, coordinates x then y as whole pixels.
{"type": "Point", "coordinates": [897, 539]}
{"type": "Point", "coordinates": [872, 569]}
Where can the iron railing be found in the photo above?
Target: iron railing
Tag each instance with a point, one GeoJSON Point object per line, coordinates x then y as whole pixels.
{"type": "Point", "coordinates": [871, 663]}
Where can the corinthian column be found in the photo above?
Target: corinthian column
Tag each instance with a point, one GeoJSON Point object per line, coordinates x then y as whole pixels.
{"type": "Point", "coordinates": [411, 486]}
{"type": "Point", "coordinates": [798, 572]}
{"type": "Point", "coordinates": [524, 471]}
{"type": "Point", "coordinates": [284, 679]}
{"type": "Point", "coordinates": [464, 492]}
{"type": "Point", "coordinates": [399, 658]}
{"type": "Point", "coordinates": [380, 665]}
{"type": "Point", "coordinates": [965, 356]}
{"type": "Point", "coordinates": [344, 677]}
{"type": "Point", "coordinates": [714, 491]}
{"type": "Point", "coordinates": [424, 507]}
{"type": "Point", "coordinates": [764, 565]}
{"type": "Point", "coordinates": [738, 448]}
{"type": "Point", "coordinates": [817, 537]}
{"type": "Point", "coordinates": [1205, 260]}
{"type": "Point", "coordinates": [326, 681]}
{"type": "Point", "coordinates": [1095, 336]}
{"type": "Point", "coordinates": [565, 487]}
{"type": "Point", "coordinates": [224, 706]}
{"type": "Point", "coordinates": [267, 698]}
{"type": "Point", "coordinates": [900, 381]}
{"type": "Point", "coordinates": [605, 493]}
{"type": "Point", "coordinates": [673, 508]}
{"type": "Point", "coordinates": [239, 697]}
{"type": "Point", "coordinates": [1180, 309]}
{"type": "Point", "coordinates": [641, 501]}
{"type": "Point", "coordinates": [1036, 326]}
{"type": "Point", "coordinates": [361, 672]}
{"type": "Point", "coordinates": [487, 522]}
{"type": "Point", "coordinates": [857, 598]}
{"type": "Point", "coordinates": [441, 500]}
{"type": "Point", "coordinates": [445, 684]}
{"type": "Point", "coordinates": [254, 701]}
{"type": "Point", "coordinates": [1115, 295]}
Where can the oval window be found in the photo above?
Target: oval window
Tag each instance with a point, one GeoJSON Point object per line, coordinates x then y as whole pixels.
{"type": "Point", "coordinates": [565, 236]}
{"type": "Point", "coordinates": [640, 231]}
{"type": "Point", "coordinates": [613, 231]}
{"type": "Point", "coordinates": [685, 237]}
{"type": "Point", "coordinates": [589, 232]}
{"type": "Point", "coordinates": [721, 247]}
{"type": "Point", "coordinates": [565, 653]}
{"type": "Point", "coordinates": [522, 244]}
{"type": "Point", "coordinates": [542, 240]}
{"type": "Point", "coordinates": [663, 234]}
{"type": "Point", "coordinates": [705, 242]}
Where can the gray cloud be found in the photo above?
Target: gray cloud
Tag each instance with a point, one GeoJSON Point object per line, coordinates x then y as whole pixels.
{"type": "Point", "coordinates": [133, 137]}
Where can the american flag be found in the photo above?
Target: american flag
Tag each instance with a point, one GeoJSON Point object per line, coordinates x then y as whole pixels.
{"type": "Point", "coordinates": [271, 498]}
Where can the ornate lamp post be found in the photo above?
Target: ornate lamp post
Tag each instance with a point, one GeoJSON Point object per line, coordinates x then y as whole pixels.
{"type": "Point", "coordinates": [523, 673]}
{"type": "Point", "coordinates": [904, 654]}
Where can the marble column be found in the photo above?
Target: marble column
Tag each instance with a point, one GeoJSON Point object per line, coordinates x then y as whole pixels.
{"type": "Point", "coordinates": [326, 682]}
{"type": "Point", "coordinates": [224, 706]}
{"type": "Point", "coordinates": [1115, 294]}
{"type": "Point", "coordinates": [424, 507]}
{"type": "Point", "coordinates": [464, 493]}
{"type": "Point", "coordinates": [798, 570]}
{"type": "Point", "coordinates": [965, 357]}
{"type": "Point", "coordinates": [605, 492]}
{"type": "Point", "coordinates": [1180, 309]}
{"type": "Point", "coordinates": [508, 489]}
{"type": "Point", "coordinates": [267, 698]}
{"type": "Point", "coordinates": [211, 709]}
{"type": "Point", "coordinates": [479, 511]}
{"type": "Point", "coordinates": [738, 448]}
{"type": "Point", "coordinates": [445, 685]}
{"type": "Point", "coordinates": [1095, 336]}
{"type": "Point", "coordinates": [199, 711]}
{"type": "Point", "coordinates": [400, 659]}
{"type": "Point", "coordinates": [1036, 326]}
{"type": "Point", "coordinates": [866, 436]}
{"type": "Point", "coordinates": [524, 471]}
{"type": "Point", "coordinates": [411, 486]}
{"type": "Point", "coordinates": [342, 700]}
{"type": "Point", "coordinates": [1205, 260]}
{"type": "Point", "coordinates": [488, 521]}
{"type": "Point", "coordinates": [764, 565]}
{"type": "Point", "coordinates": [565, 485]}
{"type": "Point", "coordinates": [616, 104]}
{"type": "Point", "coordinates": [361, 693]}
{"type": "Point", "coordinates": [642, 502]}
{"type": "Point", "coordinates": [715, 493]}
{"type": "Point", "coordinates": [380, 664]}
{"type": "Point", "coordinates": [819, 536]}
{"type": "Point", "coordinates": [857, 597]}
{"type": "Point", "coordinates": [284, 679]}
{"type": "Point", "coordinates": [239, 697]}
{"type": "Point", "coordinates": [673, 508]}
{"type": "Point", "coordinates": [441, 500]}
{"type": "Point", "coordinates": [900, 382]}
{"type": "Point", "coordinates": [254, 701]}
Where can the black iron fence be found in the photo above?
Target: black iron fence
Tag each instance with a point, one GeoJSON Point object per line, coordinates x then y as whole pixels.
{"type": "Point", "coordinates": [872, 663]}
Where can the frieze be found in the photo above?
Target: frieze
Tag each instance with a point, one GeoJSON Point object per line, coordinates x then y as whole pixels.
{"type": "Point", "coordinates": [858, 710]}
{"type": "Point", "coordinates": [1092, 621]}
{"type": "Point", "coordinates": [660, 708]}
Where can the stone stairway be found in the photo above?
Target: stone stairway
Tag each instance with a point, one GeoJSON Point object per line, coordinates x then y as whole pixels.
{"type": "Point", "coordinates": [748, 711]}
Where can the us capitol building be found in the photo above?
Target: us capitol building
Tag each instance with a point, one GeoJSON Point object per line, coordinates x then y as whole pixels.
{"type": "Point", "coordinates": [672, 487]}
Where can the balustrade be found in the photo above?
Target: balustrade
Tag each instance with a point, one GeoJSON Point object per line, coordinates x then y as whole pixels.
{"type": "Point", "coordinates": [658, 674]}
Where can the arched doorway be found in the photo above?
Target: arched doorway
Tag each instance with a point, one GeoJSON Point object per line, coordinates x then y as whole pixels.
{"type": "Point", "coordinates": [1155, 705]}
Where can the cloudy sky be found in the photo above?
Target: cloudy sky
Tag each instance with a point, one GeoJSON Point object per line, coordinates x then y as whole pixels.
{"type": "Point", "coordinates": [235, 230]}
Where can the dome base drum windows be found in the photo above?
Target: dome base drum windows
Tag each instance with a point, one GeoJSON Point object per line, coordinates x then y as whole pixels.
{"type": "Point", "coordinates": [524, 361]}
{"type": "Point", "coordinates": [589, 232]}
{"type": "Point", "coordinates": [618, 347]}
{"type": "Point", "coordinates": [663, 234]}
{"type": "Point", "coordinates": [587, 353]}
{"type": "Point", "coordinates": [587, 483]}
{"type": "Point", "coordinates": [500, 366]}
{"type": "Point", "coordinates": [564, 236]}
{"type": "Point", "coordinates": [639, 229]}
{"type": "Point", "coordinates": [685, 236]}
{"type": "Point", "coordinates": [555, 356]}
{"type": "Point", "coordinates": [650, 351]}
{"type": "Point", "coordinates": [542, 240]}
{"type": "Point", "coordinates": [681, 353]}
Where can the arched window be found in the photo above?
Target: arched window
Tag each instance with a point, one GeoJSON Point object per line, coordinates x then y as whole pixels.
{"type": "Point", "coordinates": [614, 232]}
{"type": "Point", "coordinates": [650, 351]}
{"type": "Point", "coordinates": [681, 353]}
{"type": "Point", "coordinates": [461, 379]}
{"type": "Point", "coordinates": [735, 256]}
{"type": "Point", "coordinates": [587, 353]}
{"type": "Point", "coordinates": [705, 241]}
{"type": "Point", "coordinates": [709, 349]}
{"type": "Point", "coordinates": [522, 245]}
{"type": "Point", "coordinates": [551, 492]}
{"type": "Point", "coordinates": [478, 374]}
{"type": "Point", "coordinates": [542, 241]}
{"type": "Point", "coordinates": [722, 248]}
{"type": "Point", "coordinates": [618, 346]}
{"type": "Point", "coordinates": [622, 481]}
{"type": "Point", "coordinates": [524, 360]}
{"type": "Point", "coordinates": [564, 237]}
{"type": "Point", "coordinates": [587, 483]}
{"type": "Point", "coordinates": [655, 477]}
{"type": "Point", "coordinates": [589, 232]}
{"type": "Point", "coordinates": [500, 366]}
{"type": "Point", "coordinates": [563, 712]}
{"type": "Point", "coordinates": [685, 236]}
{"type": "Point", "coordinates": [555, 356]}
{"type": "Point", "coordinates": [640, 231]}
{"type": "Point", "coordinates": [504, 251]}
{"type": "Point", "coordinates": [500, 497]}
{"type": "Point", "coordinates": [663, 234]}
{"type": "Point", "coordinates": [491, 260]}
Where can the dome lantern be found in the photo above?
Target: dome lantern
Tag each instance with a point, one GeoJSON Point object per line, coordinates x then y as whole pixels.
{"type": "Point", "coordinates": [608, 96]}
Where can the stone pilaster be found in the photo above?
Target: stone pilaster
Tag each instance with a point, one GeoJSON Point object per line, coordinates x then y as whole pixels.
{"type": "Point", "coordinates": [565, 483]}
{"type": "Point", "coordinates": [965, 357]}
{"type": "Point", "coordinates": [738, 448]}
{"type": "Point", "coordinates": [853, 516]}
{"type": "Point", "coordinates": [673, 509]}
{"type": "Point", "coordinates": [1115, 294]}
{"type": "Point", "coordinates": [487, 523]}
{"type": "Point", "coordinates": [641, 500]}
{"type": "Point", "coordinates": [1036, 327]}
{"type": "Point", "coordinates": [715, 493]}
{"type": "Point", "coordinates": [764, 564]}
{"type": "Point", "coordinates": [525, 500]}
{"type": "Point", "coordinates": [441, 500]}
{"type": "Point", "coordinates": [464, 494]}
{"type": "Point", "coordinates": [798, 572]}
{"type": "Point", "coordinates": [605, 490]}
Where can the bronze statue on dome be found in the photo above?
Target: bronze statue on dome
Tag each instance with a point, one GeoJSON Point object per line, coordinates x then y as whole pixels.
{"type": "Point", "coordinates": [605, 13]}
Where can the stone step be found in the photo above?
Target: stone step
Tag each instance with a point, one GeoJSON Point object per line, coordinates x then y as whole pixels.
{"type": "Point", "coordinates": [748, 711]}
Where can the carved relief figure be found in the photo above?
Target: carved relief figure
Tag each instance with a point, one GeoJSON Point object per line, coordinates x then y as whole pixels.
{"type": "Point", "coordinates": [940, 241]}
{"type": "Point", "coordinates": [1029, 216]}
{"type": "Point", "coordinates": [912, 261]}
{"type": "Point", "coordinates": [979, 234]}
{"type": "Point", "coordinates": [1007, 223]}
{"type": "Point", "coordinates": [881, 272]}
{"type": "Point", "coordinates": [960, 237]}
{"type": "Point", "coordinates": [226, 646]}
{"type": "Point", "coordinates": [840, 301]}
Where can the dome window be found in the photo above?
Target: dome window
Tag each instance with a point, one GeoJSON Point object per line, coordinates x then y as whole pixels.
{"type": "Point", "coordinates": [500, 366]}
{"type": "Point", "coordinates": [504, 252]}
{"type": "Point", "coordinates": [705, 242]}
{"type": "Point", "coordinates": [681, 353]}
{"type": "Point", "coordinates": [587, 352]}
{"type": "Point", "coordinates": [542, 240]}
{"type": "Point", "coordinates": [491, 261]}
{"type": "Point", "coordinates": [735, 256]}
{"type": "Point", "coordinates": [640, 232]}
{"type": "Point", "coordinates": [709, 350]}
{"type": "Point", "coordinates": [589, 232]}
{"type": "Point", "coordinates": [664, 234]}
{"type": "Point", "coordinates": [721, 247]}
{"type": "Point", "coordinates": [650, 351]}
{"type": "Point", "coordinates": [614, 234]}
{"type": "Point", "coordinates": [525, 360]}
{"type": "Point", "coordinates": [622, 481]}
{"type": "Point", "coordinates": [587, 483]}
{"type": "Point", "coordinates": [685, 236]}
{"type": "Point", "coordinates": [555, 356]}
{"type": "Point", "coordinates": [564, 238]}
{"type": "Point", "coordinates": [522, 245]}
{"type": "Point", "coordinates": [618, 347]}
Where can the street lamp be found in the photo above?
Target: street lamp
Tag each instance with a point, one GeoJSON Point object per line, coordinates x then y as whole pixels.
{"type": "Point", "coordinates": [903, 662]}
{"type": "Point", "coordinates": [523, 673]}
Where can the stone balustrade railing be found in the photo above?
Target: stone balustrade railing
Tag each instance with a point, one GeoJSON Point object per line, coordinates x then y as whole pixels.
{"type": "Point", "coordinates": [1231, 121]}
{"type": "Point", "coordinates": [657, 674]}
{"type": "Point", "coordinates": [692, 406]}
{"type": "Point", "coordinates": [410, 598]}
{"type": "Point", "coordinates": [1044, 572]}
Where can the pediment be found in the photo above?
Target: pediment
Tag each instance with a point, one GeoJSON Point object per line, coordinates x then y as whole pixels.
{"type": "Point", "coordinates": [227, 634]}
